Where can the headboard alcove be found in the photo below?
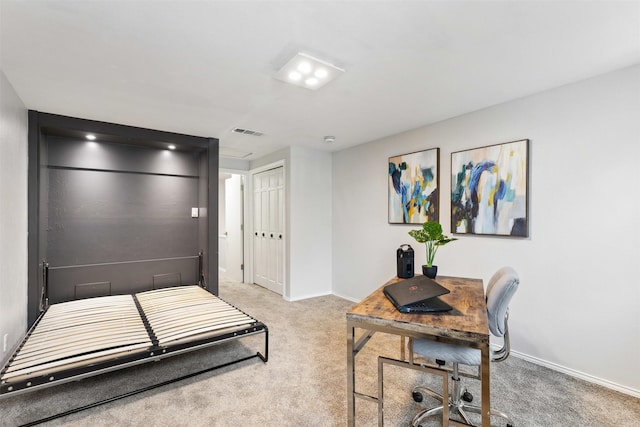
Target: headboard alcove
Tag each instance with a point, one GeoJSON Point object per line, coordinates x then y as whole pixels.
{"type": "Point", "coordinates": [120, 214]}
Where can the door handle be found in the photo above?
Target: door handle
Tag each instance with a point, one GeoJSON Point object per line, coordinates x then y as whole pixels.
{"type": "Point", "coordinates": [272, 235]}
{"type": "Point", "coordinates": [256, 233]}
{"type": "Point", "coordinates": [262, 234]}
{"type": "Point", "coordinates": [280, 236]}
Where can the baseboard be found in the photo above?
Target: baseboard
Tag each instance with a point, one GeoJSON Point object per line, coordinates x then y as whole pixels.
{"type": "Point", "coordinates": [354, 300]}
{"type": "Point", "coordinates": [577, 374]}
{"type": "Point", "coordinates": [303, 297]}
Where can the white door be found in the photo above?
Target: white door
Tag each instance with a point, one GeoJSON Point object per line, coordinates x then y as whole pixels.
{"type": "Point", "coordinates": [268, 229]}
{"type": "Point", "coordinates": [234, 188]}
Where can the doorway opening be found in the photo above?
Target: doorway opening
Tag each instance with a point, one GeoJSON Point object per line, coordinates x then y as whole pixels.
{"type": "Point", "coordinates": [231, 227]}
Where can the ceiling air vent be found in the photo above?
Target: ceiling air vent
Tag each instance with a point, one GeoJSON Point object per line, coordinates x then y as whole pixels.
{"type": "Point", "coordinates": [247, 132]}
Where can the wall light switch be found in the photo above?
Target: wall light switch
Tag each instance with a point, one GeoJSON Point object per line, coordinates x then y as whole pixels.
{"type": "Point", "coordinates": [194, 212]}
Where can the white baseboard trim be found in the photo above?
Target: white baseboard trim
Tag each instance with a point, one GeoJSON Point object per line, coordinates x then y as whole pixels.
{"type": "Point", "coordinates": [577, 374]}
{"type": "Point", "coordinates": [355, 300]}
{"type": "Point", "coordinates": [303, 297]}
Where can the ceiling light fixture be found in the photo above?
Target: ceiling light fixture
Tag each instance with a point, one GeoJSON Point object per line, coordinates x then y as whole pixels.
{"type": "Point", "coordinates": [90, 137]}
{"type": "Point", "coordinates": [171, 147]}
{"type": "Point", "coordinates": [329, 139]}
{"type": "Point", "coordinates": [306, 71]}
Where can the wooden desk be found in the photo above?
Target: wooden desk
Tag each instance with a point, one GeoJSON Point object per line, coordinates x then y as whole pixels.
{"type": "Point", "coordinates": [466, 324]}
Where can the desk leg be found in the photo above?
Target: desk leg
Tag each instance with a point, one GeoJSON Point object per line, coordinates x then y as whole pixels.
{"type": "Point", "coordinates": [351, 376]}
{"type": "Point", "coordinates": [486, 387]}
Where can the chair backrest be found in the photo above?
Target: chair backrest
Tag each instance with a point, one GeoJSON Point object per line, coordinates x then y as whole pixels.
{"type": "Point", "coordinates": [502, 286]}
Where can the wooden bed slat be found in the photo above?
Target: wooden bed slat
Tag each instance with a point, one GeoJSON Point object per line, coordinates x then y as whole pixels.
{"type": "Point", "coordinates": [72, 361]}
{"type": "Point", "coordinates": [85, 345]}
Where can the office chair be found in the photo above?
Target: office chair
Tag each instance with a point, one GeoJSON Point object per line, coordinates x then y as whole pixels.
{"type": "Point", "coordinates": [501, 288]}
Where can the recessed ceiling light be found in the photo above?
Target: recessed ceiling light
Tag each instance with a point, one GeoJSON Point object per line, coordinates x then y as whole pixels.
{"type": "Point", "coordinates": [90, 136]}
{"type": "Point", "coordinates": [295, 76]}
{"type": "Point", "coordinates": [171, 147]}
{"type": "Point", "coordinates": [319, 72]}
{"type": "Point", "coordinates": [304, 67]}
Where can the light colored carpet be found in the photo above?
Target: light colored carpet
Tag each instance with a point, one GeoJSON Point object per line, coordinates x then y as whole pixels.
{"type": "Point", "coordinates": [304, 382]}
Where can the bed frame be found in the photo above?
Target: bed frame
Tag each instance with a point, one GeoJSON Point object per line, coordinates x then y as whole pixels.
{"type": "Point", "coordinates": [82, 338]}
{"type": "Point", "coordinates": [104, 307]}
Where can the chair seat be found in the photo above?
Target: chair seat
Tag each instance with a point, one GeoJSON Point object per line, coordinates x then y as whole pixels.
{"type": "Point", "coordinates": [448, 352]}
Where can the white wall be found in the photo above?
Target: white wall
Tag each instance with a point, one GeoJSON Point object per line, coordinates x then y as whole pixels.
{"type": "Point", "coordinates": [13, 217]}
{"type": "Point", "coordinates": [233, 164]}
{"type": "Point", "coordinates": [310, 223]}
{"type": "Point", "coordinates": [578, 306]}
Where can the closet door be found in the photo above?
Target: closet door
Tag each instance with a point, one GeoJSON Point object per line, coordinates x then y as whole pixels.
{"type": "Point", "coordinates": [268, 233]}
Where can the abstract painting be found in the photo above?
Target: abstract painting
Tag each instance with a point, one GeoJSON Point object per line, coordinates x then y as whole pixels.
{"type": "Point", "coordinates": [413, 187]}
{"type": "Point", "coordinates": [489, 190]}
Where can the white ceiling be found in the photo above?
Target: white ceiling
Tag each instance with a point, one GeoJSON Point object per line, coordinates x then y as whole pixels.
{"type": "Point", "coordinates": [205, 67]}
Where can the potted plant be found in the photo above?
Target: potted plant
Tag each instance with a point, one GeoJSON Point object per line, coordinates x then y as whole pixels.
{"type": "Point", "coordinates": [431, 235]}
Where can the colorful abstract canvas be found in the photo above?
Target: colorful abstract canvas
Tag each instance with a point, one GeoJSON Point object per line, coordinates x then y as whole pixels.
{"type": "Point", "coordinates": [413, 187]}
{"type": "Point", "coordinates": [489, 190]}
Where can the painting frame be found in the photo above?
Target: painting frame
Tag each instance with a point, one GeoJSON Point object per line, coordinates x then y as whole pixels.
{"type": "Point", "coordinates": [490, 190]}
{"type": "Point", "coordinates": [414, 187]}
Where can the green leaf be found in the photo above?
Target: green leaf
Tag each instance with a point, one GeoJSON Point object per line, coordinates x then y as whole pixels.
{"type": "Point", "coordinates": [431, 235]}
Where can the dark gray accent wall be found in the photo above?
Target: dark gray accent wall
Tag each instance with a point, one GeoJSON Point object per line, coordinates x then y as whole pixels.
{"type": "Point", "coordinates": [37, 208]}
{"type": "Point", "coordinates": [69, 152]}
{"type": "Point", "coordinates": [203, 219]}
{"type": "Point", "coordinates": [212, 215]}
{"type": "Point", "coordinates": [110, 215]}
{"type": "Point", "coordinates": [95, 280]}
{"type": "Point", "coordinates": [114, 215]}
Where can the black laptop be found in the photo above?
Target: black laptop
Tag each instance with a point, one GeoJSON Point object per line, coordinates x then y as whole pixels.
{"type": "Point", "coordinates": [417, 295]}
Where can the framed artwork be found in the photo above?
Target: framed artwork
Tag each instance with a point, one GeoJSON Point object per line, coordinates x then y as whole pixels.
{"type": "Point", "coordinates": [489, 190]}
{"type": "Point", "coordinates": [413, 187]}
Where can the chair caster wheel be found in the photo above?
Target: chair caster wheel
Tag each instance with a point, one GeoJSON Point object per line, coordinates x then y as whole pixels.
{"type": "Point", "coordinates": [468, 397]}
{"type": "Point", "coordinates": [417, 397]}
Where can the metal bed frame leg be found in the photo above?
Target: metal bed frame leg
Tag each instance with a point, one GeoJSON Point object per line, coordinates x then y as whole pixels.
{"type": "Point", "coordinates": [265, 357]}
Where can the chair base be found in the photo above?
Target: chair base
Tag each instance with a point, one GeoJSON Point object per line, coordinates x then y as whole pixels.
{"type": "Point", "coordinates": [456, 405]}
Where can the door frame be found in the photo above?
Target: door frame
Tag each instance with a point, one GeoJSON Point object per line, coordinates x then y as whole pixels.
{"type": "Point", "coordinates": [249, 249]}
{"type": "Point", "coordinates": [246, 218]}
{"type": "Point", "coordinates": [243, 214]}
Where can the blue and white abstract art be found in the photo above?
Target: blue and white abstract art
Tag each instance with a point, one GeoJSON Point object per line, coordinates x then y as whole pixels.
{"type": "Point", "coordinates": [489, 190]}
{"type": "Point", "coordinates": [413, 187]}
